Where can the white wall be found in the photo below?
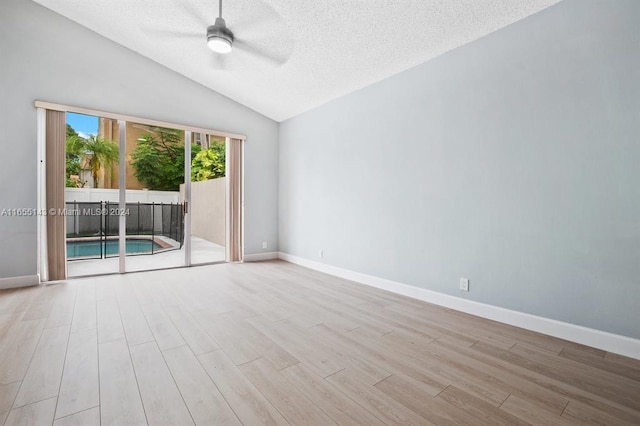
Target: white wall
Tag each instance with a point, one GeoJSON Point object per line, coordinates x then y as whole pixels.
{"type": "Point", "coordinates": [513, 161]}
{"type": "Point", "coordinates": [113, 195]}
{"type": "Point", "coordinates": [47, 57]}
{"type": "Point", "coordinates": [208, 209]}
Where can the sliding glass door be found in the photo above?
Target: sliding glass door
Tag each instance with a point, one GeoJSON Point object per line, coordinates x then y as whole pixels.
{"type": "Point", "coordinates": [91, 195]}
{"type": "Point", "coordinates": [155, 207]}
{"type": "Point", "coordinates": [208, 194]}
{"type": "Point", "coordinates": [142, 197]}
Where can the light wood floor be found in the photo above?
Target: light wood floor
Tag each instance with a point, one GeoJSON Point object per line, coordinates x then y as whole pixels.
{"type": "Point", "coordinates": [274, 343]}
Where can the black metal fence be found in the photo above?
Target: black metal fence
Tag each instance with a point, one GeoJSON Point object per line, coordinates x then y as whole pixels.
{"type": "Point", "coordinates": [98, 223]}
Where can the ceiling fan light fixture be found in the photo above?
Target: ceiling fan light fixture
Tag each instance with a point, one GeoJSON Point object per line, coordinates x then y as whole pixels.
{"type": "Point", "coordinates": [219, 37]}
{"type": "Point", "coordinates": [219, 45]}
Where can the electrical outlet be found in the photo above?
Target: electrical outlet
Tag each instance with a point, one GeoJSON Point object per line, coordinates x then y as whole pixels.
{"type": "Point", "coordinates": [264, 244]}
{"type": "Point", "coordinates": [464, 284]}
{"type": "Point", "coordinates": [321, 254]}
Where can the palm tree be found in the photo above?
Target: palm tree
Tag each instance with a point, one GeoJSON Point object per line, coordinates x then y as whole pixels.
{"type": "Point", "coordinates": [99, 151]}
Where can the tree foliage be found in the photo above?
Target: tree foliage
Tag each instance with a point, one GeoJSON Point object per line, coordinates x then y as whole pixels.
{"type": "Point", "coordinates": [102, 153]}
{"type": "Point", "coordinates": [209, 163]}
{"type": "Point", "coordinates": [158, 160]}
{"type": "Point", "coordinates": [99, 152]}
{"type": "Point", "coordinates": [72, 157]}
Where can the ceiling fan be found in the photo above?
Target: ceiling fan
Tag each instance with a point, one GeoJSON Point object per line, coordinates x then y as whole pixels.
{"type": "Point", "coordinates": [219, 37]}
{"type": "Point", "coordinates": [270, 43]}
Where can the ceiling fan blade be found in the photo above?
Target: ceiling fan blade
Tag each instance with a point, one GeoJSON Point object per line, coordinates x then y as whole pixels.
{"type": "Point", "coordinates": [275, 59]}
{"type": "Point", "coordinates": [197, 14]}
{"type": "Point", "coordinates": [256, 25]}
{"type": "Point", "coordinates": [231, 62]}
{"type": "Point", "coordinates": [175, 33]}
{"type": "Point", "coordinates": [253, 17]}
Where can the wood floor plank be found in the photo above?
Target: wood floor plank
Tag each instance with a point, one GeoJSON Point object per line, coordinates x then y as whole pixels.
{"type": "Point", "coordinates": [411, 394]}
{"type": "Point", "coordinates": [377, 402]}
{"type": "Point", "coordinates": [104, 288]}
{"type": "Point", "coordinates": [109, 323]}
{"type": "Point", "coordinates": [18, 350]}
{"type": "Point", "coordinates": [275, 343]}
{"type": "Point", "coordinates": [270, 350]}
{"type": "Point", "coordinates": [80, 389]}
{"type": "Point", "coordinates": [319, 356]}
{"type": "Point", "coordinates": [532, 413]}
{"type": "Point", "coordinates": [357, 318]}
{"type": "Point", "coordinates": [85, 309]}
{"type": "Point", "coordinates": [163, 294]}
{"type": "Point", "coordinates": [296, 408]}
{"type": "Point", "coordinates": [43, 377]}
{"type": "Point", "coordinates": [134, 323]}
{"type": "Point", "coordinates": [442, 370]}
{"type": "Point", "coordinates": [120, 401]}
{"type": "Point", "coordinates": [204, 400]}
{"type": "Point", "coordinates": [364, 342]}
{"type": "Point", "coordinates": [585, 414]}
{"type": "Point", "coordinates": [196, 337]}
{"type": "Point", "coordinates": [41, 305]}
{"type": "Point", "coordinates": [7, 297]}
{"type": "Point", "coordinates": [595, 361]}
{"type": "Point", "coordinates": [90, 417]}
{"type": "Point", "coordinates": [449, 324]}
{"type": "Point", "coordinates": [404, 321]}
{"type": "Point", "coordinates": [63, 306]}
{"type": "Point", "coordinates": [161, 398]}
{"type": "Point", "coordinates": [513, 333]}
{"type": "Point", "coordinates": [35, 414]}
{"type": "Point", "coordinates": [328, 398]}
{"type": "Point", "coordinates": [251, 407]}
{"type": "Point", "coordinates": [508, 381]}
{"type": "Point", "coordinates": [484, 413]}
{"type": "Point", "coordinates": [8, 320]}
{"type": "Point", "coordinates": [267, 305]}
{"type": "Point", "coordinates": [8, 394]}
{"type": "Point", "coordinates": [616, 388]}
{"type": "Point", "coordinates": [584, 348]}
{"type": "Point", "coordinates": [226, 331]}
{"type": "Point", "coordinates": [166, 334]}
{"type": "Point", "coordinates": [144, 292]}
{"type": "Point", "coordinates": [367, 367]}
{"type": "Point", "coordinates": [526, 369]}
{"type": "Point", "coordinates": [622, 360]}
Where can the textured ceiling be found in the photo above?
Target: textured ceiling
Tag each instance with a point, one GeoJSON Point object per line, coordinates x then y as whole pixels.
{"type": "Point", "coordinates": [310, 51]}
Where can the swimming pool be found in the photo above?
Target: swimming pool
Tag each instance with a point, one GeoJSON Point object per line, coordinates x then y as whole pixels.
{"type": "Point", "coordinates": [91, 248]}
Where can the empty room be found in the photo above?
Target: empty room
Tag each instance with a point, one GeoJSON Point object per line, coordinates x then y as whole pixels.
{"type": "Point", "coordinates": [348, 212]}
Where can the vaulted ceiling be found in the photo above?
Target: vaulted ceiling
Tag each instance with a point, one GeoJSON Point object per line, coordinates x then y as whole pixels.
{"type": "Point", "coordinates": [293, 55]}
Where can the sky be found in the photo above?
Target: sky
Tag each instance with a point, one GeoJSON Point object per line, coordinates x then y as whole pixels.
{"type": "Point", "coordinates": [83, 124]}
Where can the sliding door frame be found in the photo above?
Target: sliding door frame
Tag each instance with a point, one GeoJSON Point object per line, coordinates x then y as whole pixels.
{"type": "Point", "coordinates": [41, 202]}
{"type": "Point", "coordinates": [42, 107]}
{"type": "Point", "coordinates": [122, 196]}
{"type": "Point", "coordinates": [187, 198]}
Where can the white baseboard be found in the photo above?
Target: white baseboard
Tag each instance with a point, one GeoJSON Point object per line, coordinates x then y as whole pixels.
{"type": "Point", "coordinates": [15, 282]}
{"type": "Point", "coordinates": [261, 256]}
{"type": "Point", "coordinates": [587, 336]}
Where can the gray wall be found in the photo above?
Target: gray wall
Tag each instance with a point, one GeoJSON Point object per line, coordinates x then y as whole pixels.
{"type": "Point", "coordinates": [513, 161]}
{"type": "Point", "coordinates": [47, 57]}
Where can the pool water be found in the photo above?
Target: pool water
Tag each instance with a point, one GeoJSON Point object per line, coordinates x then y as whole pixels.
{"type": "Point", "coordinates": [109, 247]}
